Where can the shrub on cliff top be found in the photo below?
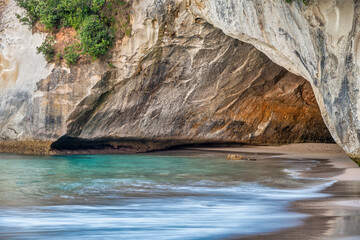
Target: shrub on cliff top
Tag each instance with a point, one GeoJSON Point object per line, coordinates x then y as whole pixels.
{"type": "Point", "coordinates": [85, 16]}
{"type": "Point", "coordinates": [60, 13]}
{"type": "Point", "coordinates": [71, 55]}
{"type": "Point", "coordinates": [95, 36]}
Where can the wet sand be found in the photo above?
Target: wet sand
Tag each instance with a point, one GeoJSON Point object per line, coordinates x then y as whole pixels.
{"type": "Point", "coordinates": [334, 217]}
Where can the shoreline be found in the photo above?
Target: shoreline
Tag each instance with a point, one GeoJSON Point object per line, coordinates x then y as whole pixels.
{"type": "Point", "coordinates": [350, 171]}
{"type": "Point", "coordinates": [333, 217]}
{"type": "Point", "coordinates": [336, 216]}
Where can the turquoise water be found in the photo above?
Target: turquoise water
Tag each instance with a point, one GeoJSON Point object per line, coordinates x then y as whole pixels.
{"type": "Point", "coordinates": [175, 195]}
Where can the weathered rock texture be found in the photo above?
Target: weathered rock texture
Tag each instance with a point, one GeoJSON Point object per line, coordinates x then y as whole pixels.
{"type": "Point", "coordinates": [176, 80]}
{"type": "Point", "coordinates": [319, 42]}
{"type": "Point", "coordinates": [36, 98]}
{"type": "Point", "coordinates": [201, 86]}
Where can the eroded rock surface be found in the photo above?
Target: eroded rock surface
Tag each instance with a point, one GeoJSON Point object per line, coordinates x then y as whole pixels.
{"type": "Point", "coordinates": [201, 86]}
{"type": "Point", "coordinates": [319, 42]}
{"type": "Point", "coordinates": [176, 80]}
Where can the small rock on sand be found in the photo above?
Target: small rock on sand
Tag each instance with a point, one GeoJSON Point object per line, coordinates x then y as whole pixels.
{"type": "Point", "coordinates": [239, 157]}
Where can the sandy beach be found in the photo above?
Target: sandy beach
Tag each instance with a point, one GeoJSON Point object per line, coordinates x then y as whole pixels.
{"type": "Point", "coordinates": [332, 152]}
{"type": "Point", "coordinates": [334, 217]}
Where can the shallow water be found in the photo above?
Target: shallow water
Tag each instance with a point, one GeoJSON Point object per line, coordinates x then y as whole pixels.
{"type": "Point", "coordinates": [175, 195]}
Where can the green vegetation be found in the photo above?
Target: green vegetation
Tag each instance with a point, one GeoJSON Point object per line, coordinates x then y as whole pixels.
{"type": "Point", "coordinates": [95, 37]}
{"type": "Point", "coordinates": [58, 57]}
{"type": "Point", "coordinates": [111, 65]}
{"type": "Point", "coordinates": [60, 13]}
{"type": "Point", "coordinates": [47, 48]}
{"type": "Point", "coordinates": [71, 55]}
{"type": "Point", "coordinates": [94, 20]}
{"type": "Point", "coordinates": [306, 2]}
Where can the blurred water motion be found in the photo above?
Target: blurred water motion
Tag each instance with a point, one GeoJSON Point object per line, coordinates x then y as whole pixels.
{"type": "Point", "coordinates": [148, 196]}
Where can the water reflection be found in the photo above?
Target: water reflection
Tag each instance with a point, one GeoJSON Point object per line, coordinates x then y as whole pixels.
{"type": "Point", "coordinates": [345, 210]}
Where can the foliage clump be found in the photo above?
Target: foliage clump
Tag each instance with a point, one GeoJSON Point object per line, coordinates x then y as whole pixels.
{"type": "Point", "coordinates": [47, 48]}
{"type": "Point", "coordinates": [71, 55]}
{"type": "Point", "coordinates": [306, 2]}
{"type": "Point", "coordinates": [95, 37]}
{"type": "Point", "coordinates": [93, 20]}
{"type": "Point", "coordinates": [59, 13]}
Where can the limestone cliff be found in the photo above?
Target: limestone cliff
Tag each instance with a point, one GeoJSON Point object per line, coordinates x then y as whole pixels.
{"type": "Point", "coordinates": [319, 42]}
{"type": "Point", "coordinates": [177, 79]}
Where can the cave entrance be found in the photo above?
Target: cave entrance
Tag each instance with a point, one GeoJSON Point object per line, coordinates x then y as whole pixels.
{"type": "Point", "coordinates": [216, 90]}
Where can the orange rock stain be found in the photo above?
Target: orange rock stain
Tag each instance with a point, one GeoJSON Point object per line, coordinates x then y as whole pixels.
{"type": "Point", "coordinates": [9, 72]}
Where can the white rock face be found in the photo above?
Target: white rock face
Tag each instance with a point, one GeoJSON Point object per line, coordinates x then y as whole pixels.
{"type": "Point", "coordinates": [319, 42]}
{"type": "Point", "coordinates": [36, 97]}
{"type": "Point", "coordinates": [20, 69]}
